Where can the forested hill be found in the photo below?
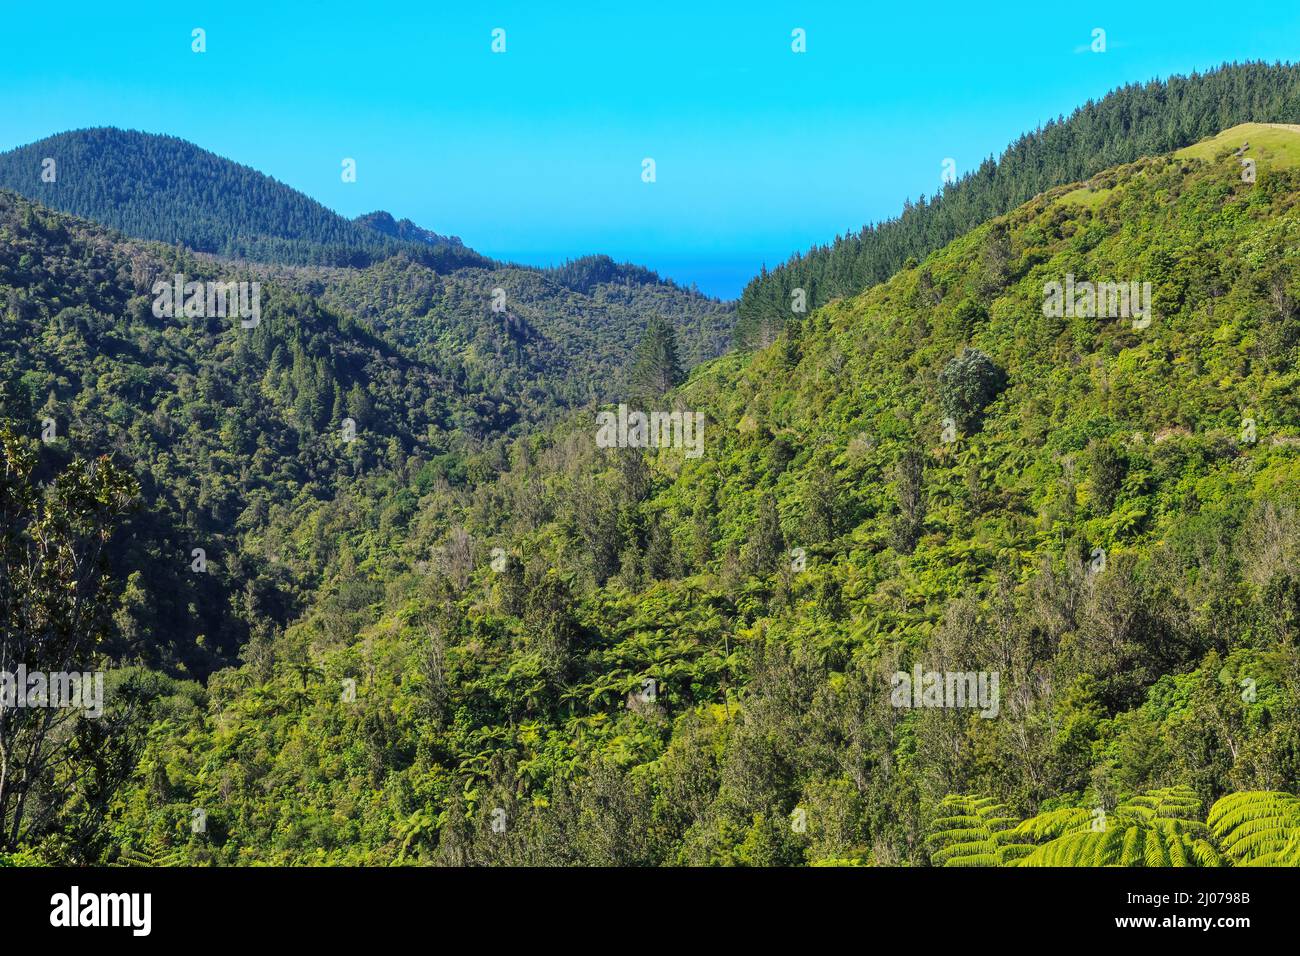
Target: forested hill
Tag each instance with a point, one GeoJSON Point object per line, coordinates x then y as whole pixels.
{"type": "Point", "coordinates": [235, 433]}
{"type": "Point", "coordinates": [403, 230]}
{"type": "Point", "coordinates": [587, 272]}
{"type": "Point", "coordinates": [572, 326]}
{"type": "Point", "coordinates": [167, 189]}
{"type": "Point", "coordinates": [551, 343]}
{"type": "Point", "coordinates": [229, 430]}
{"type": "Point", "coordinates": [690, 660]}
{"type": "Point", "coordinates": [1133, 121]}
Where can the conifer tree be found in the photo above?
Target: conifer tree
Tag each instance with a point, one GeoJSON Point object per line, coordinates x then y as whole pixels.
{"type": "Point", "coordinates": [655, 366]}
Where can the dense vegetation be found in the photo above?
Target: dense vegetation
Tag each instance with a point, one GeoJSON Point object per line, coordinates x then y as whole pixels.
{"type": "Point", "coordinates": [236, 432]}
{"type": "Point", "coordinates": [1130, 122]}
{"type": "Point", "coordinates": [623, 656]}
{"type": "Point", "coordinates": [556, 338]}
{"type": "Point", "coordinates": [403, 230]}
{"type": "Point", "coordinates": [473, 636]}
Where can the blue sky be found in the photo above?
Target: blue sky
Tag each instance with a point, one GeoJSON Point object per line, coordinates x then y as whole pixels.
{"type": "Point", "coordinates": [536, 154]}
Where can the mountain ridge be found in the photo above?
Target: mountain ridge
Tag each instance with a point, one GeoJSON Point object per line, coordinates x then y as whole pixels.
{"type": "Point", "coordinates": [1137, 119]}
{"type": "Point", "coordinates": [163, 188]}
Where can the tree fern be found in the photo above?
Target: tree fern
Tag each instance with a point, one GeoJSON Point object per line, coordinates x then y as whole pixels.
{"type": "Point", "coordinates": [1258, 828]}
{"type": "Point", "coordinates": [974, 831]}
{"type": "Point", "coordinates": [1056, 823]}
{"type": "Point", "coordinates": [1159, 828]}
{"type": "Point", "coordinates": [149, 856]}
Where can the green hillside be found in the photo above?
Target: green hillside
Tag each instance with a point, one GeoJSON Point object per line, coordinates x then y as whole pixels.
{"type": "Point", "coordinates": [1271, 144]}
{"type": "Point", "coordinates": [1133, 121]}
{"type": "Point", "coordinates": [942, 474]}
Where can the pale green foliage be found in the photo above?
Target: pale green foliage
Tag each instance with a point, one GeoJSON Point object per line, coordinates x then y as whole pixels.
{"type": "Point", "coordinates": [1260, 828]}
{"type": "Point", "coordinates": [974, 831]}
{"type": "Point", "coordinates": [151, 857]}
{"type": "Point", "coordinates": [1159, 828]}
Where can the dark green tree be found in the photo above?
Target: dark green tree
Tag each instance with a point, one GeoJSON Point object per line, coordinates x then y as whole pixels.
{"type": "Point", "coordinates": [766, 542]}
{"type": "Point", "coordinates": [1106, 470]}
{"type": "Point", "coordinates": [909, 477]}
{"type": "Point", "coordinates": [967, 384]}
{"type": "Point", "coordinates": [55, 609]}
{"type": "Point", "coordinates": [655, 366]}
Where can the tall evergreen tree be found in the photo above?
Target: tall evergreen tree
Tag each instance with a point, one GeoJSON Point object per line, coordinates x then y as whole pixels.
{"type": "Point", "coordinates": [655, 367]}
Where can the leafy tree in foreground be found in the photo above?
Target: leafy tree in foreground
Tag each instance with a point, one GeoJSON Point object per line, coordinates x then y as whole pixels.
{"type": "Point", "coordinates": [54, 609]}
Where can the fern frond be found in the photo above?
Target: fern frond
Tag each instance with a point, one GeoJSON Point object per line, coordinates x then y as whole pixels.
{"type": "Point", "coordinates": [1056, 823]}
{"type": "Point", "coordinates": [974, 831]}
{"type": "Point", "coordinates": [1258, 828]}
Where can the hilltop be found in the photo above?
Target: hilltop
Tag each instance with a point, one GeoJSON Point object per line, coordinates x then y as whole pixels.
{"type": "Point", "coordinates": [1274, 144]}
{"type": "Point", "coordinates": [573, 325]}
{"type": "Point", "coordinates": [1130, 122]}
{"type": "Point", "coordinates": [166, 189]}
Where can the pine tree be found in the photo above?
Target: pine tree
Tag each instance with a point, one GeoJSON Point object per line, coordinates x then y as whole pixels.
{"type": "Point", "coordinates": [655, 366]}
{"type": "Point", "coordinates": [766, 542]}
{"type": "Point", "coordinates": [908, 480]}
